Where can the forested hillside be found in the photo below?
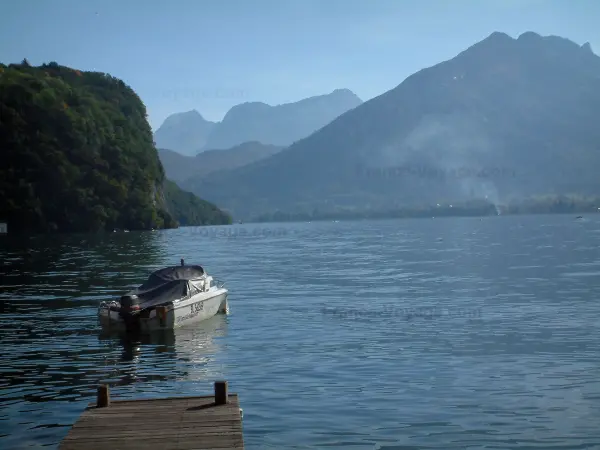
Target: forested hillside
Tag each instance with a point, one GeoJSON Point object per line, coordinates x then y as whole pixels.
{"type": "Point", "coordinates": [78, 153]}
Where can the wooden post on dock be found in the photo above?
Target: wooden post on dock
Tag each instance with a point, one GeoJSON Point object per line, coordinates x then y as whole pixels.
{"type": "Point", "coordinates": [103, 396]}
{"type": "Point", "coordinates": [187, 423]}
{"type": "Point", "coordinates": [221, 395]}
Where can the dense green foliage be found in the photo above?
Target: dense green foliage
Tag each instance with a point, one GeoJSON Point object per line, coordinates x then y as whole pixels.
{"type": "Point", "coordinates": [78, 153]}
{"type": "Point", "coordinates": [191, 210]}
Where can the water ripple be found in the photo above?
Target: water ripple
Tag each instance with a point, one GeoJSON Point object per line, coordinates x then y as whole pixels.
{"type": "Point", "coordinates": [449, 334]}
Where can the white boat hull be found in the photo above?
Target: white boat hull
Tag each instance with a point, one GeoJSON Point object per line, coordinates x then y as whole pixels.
{"type": "Point", "coordinates": [201, 306]}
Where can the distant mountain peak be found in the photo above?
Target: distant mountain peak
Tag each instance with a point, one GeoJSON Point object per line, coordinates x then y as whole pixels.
{"type": "Point", "coordinates": [185, 132]}
{"type": "Point", "coordinates": [587, 48]}
{"type": "Point", "coordinates": [561, 43]}
{"type": "Point", "coordinates": [191, 114]}
{"type": "Point", "coordinates": [529, 35]}
{"type": "Point", "coordinates": [281, 124]}
{"type": "Point", "coordinates": [189, 133]}
{"type": "Point", "coordinates": [499, 47]}
{"type": "Point", "coordinates": [244, 108]}
{"type": "Point", "coordinates": [340, 93]}
{"type": "Point", "coordinates": [499, 36]}
{"type": "Point", "coordinates": [343, 91]}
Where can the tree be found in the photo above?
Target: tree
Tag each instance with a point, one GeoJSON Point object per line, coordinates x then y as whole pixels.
{"type": "Point", "coordinates": [78, 155]}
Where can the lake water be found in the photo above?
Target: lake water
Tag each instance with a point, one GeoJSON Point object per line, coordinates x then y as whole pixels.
{"type": "Point", "coordinates": [417, 334]}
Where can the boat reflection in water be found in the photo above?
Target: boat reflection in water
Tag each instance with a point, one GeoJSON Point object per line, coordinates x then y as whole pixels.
{"type": "Point", "coordinates": [186, 354]}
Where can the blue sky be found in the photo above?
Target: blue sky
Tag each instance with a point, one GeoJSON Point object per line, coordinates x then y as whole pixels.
{"type": "Point", "coordinates": [210, 55]}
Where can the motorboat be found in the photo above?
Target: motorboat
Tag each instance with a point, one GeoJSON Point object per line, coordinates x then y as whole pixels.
{"type": "Point", "coordinates": [171, 297]}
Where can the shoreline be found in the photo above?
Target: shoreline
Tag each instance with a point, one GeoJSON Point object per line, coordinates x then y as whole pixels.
{"type": "Point", "coordinates": [421, 215]}
{"type": "Point", "coordinates": [321, 218]}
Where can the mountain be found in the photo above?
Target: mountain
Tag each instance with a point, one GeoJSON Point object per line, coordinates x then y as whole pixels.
{"type": "Point", "coordinates": [189, 169]}
{"type": "Point", "coordinates": [78, 156]}
{"type": "Point", "coordinates": [189, 134]}
{"type": "Point", "coordinates": [185, 132]}
{"type": "Point", "coordinates": [505, 120]}
{"type": "Point", "coordinates": [189, 209]}
{"type": "Point", "coordinates": [280, 125]}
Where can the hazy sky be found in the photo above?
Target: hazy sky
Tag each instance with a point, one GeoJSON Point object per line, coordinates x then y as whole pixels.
{"type": "Point", "coordinates": [212, 54]}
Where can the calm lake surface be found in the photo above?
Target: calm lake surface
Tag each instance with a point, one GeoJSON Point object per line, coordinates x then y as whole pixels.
{"type": "Point", "coordinates": [417, 334]}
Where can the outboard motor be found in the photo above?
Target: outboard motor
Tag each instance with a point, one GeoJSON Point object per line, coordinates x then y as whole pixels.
{"type": "Point", "coordinates": [129, 308]}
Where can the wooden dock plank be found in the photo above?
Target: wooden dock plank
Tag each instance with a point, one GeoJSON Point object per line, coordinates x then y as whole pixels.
{"type": "Point", "coordinates": [176, 423]}
{"type": "Point", "coordinates": [92, 425]}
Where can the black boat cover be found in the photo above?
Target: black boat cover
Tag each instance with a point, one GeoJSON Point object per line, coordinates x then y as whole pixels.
{"type": "Point", "coordinates": [165, 285]}
{"type": "Point", "coordinates": [173, 273]}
